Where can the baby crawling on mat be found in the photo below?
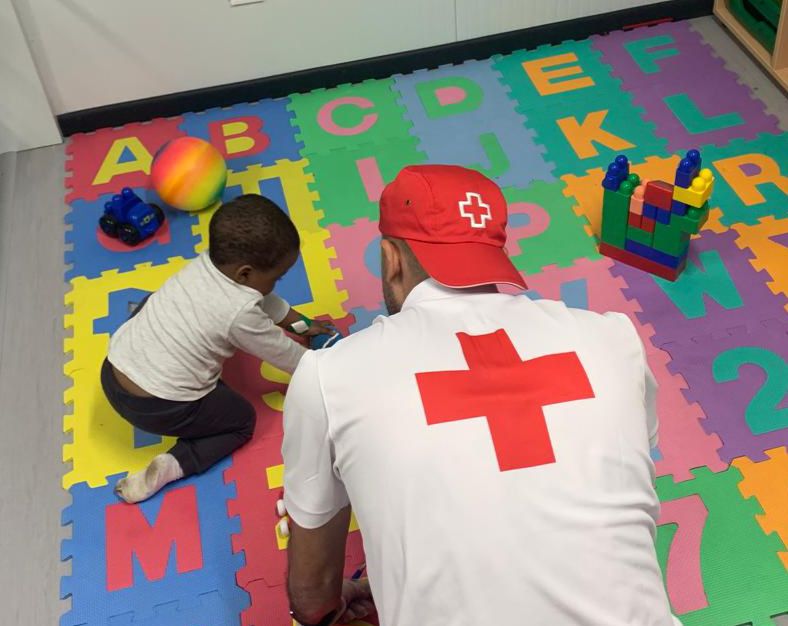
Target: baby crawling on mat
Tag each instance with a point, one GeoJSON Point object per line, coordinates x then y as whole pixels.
{"type": "Point", "coordinates": [162, 371]}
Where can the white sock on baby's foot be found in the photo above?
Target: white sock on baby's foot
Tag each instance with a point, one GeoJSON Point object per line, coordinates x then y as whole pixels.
{"type": "Point", "coordinates": [139, 486]}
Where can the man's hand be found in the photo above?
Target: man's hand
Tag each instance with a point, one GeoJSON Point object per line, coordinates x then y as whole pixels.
{"type": "Point", "coordinates": [357, 601]}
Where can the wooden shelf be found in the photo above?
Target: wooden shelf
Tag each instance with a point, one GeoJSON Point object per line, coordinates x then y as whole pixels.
{"type": "Point", "coordinates": [775, 64]}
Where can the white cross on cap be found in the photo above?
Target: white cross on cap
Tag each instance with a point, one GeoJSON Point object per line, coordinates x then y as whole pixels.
{"type": "Point", "coordinates": [478, 217]}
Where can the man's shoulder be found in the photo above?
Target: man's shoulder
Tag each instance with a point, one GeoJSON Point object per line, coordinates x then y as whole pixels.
{"type": "Point", "coordinates": [360, 345]}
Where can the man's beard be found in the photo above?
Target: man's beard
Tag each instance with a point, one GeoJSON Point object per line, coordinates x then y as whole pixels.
{"type": "Point", "coordinates": [392, 306]}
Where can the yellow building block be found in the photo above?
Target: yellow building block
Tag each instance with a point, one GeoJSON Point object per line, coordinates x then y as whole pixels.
{"type": "Point", "coordinates": [698, 193]}
{"type": "Point", "coordinates": [327, 299]}
{"type": "Point", "coordinates": [102, 443]}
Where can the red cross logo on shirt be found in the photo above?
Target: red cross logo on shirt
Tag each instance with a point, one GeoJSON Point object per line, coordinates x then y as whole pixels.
{"type": "Point", "coordinates": [475, 209]}
{"type": "Point", "coordinates": [509, 392]}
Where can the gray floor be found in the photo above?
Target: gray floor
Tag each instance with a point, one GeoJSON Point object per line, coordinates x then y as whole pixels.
{"type": "Point", "coordinates": [31, 384]}
{"type": "Point", "coordinates": [31, 359]}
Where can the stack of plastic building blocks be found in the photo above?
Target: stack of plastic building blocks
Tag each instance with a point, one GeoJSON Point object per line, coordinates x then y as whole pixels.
{"type": "Point", "coordinates": [648, 224]}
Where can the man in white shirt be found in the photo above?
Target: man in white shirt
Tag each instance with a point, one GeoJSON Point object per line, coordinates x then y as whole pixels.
{"type": "Point", "coordinates": [495, 449]}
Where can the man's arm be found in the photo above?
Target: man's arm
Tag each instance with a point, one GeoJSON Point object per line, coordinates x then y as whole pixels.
{"type": "Point", "coordinates": [651, 406]}
{"type": "Point", "coordinates": [316, 560]}
{"type": "Point", "coordinates": [315, 499]}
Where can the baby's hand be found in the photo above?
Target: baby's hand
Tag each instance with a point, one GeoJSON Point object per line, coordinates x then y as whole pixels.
{"type": "Point", "coordinates": [319, 328]}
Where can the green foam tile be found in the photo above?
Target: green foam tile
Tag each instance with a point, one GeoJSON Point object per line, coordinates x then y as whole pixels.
{"type": "Point", "coordinates": [563, 241]}
{"type": "Point", "coordinates": [350, 181]}
{"type": "Point", "coordinates": [744, 581]}
{"type": "Point", "coordinates": [369, 112]}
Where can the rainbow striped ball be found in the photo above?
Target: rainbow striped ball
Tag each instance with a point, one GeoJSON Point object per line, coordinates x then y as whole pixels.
{"type": "Point", "coordinates": [188, 174]}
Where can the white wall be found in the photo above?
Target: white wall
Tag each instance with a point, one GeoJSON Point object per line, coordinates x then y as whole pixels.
{"type": "Point", "coordinates": [96, 52]}
{"type": "Point", "coordinates": [477, 18]}
{"type": "Point", "coordinates": [25, 117]}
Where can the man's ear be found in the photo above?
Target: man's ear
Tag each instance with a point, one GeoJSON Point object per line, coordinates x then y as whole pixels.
{"type": "Point", "coordinates": [241, 274]}
{"type": "Point", "coordinates": [391, 260]}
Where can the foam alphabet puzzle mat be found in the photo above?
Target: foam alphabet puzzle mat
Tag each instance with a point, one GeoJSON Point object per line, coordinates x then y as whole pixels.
{"type": "Point", "coordinates": [544, 123]}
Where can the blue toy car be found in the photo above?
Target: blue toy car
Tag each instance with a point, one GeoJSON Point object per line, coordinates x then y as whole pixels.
{"type": "Point", "coordinates": [130, 219]}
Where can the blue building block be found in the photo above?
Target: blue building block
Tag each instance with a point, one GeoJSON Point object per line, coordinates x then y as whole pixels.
{"type": "Point", "coordinates": [617, 173]}
{"type": "Point", "coordinates": [685, 173]}
{"type": "Point", "coordinates": [611, 182]}
{"type": "Point", "coordinates": [679, 208]}
{"type": "Point", "coordinates": [694, 156]}
{"type": "Point", "coordinates": [663, 216]}
{"type": "Point", "coordinates": [649, 211]}
{"type": "Point", "coordinates": [91, 600]}
{"type": "Point", "coordinates": [688, 168]}
{"type": "Point", "coordinates": [653, 255]}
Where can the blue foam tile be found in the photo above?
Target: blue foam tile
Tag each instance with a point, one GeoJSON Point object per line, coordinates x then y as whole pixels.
{"type": "Point", "coordinates": [652, 254]}
{"type": "Point", "coordinates": [95, 253]}
{"type": "Point", "coordinates": [121, 305]}
{"type": "Point", "coordinates": [492, 137]}
{"type": "Point", "coordinates": [273, 137]}
{"type": "Point", "coordinates": [364, 318]}
{"type": "Point", "coordinates": [157, 579]}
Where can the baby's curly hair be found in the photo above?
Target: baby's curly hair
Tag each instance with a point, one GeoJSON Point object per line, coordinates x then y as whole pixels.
{"type": "Point", "coordinates": [252, 230]}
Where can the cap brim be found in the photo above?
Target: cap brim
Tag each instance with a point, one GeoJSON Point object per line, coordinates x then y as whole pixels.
{"type": "Point", "coordinates": [464, 265]}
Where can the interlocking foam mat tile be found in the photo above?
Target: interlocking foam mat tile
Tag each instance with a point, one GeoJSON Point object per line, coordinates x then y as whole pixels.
{"type": "Point", "coordinates": [543, 123]}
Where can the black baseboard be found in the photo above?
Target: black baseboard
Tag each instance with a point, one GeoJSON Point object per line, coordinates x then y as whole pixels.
{"type": "Point", "coordinates": [379, 67]}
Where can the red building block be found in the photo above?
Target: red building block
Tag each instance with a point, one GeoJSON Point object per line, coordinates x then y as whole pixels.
{"type": "Point", "coordinates": [647, 224]}
{"type": "Point", "coordinates": [634, 220]}
{"type": "Point", "coordinates": [633, 260]}
{"type": "Point", "coordinates": [659, 193]}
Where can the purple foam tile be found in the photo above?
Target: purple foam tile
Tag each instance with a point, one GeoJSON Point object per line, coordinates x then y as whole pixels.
{"type": "Point", "coordinates": [729, 402]}
{"type": "Point", "coordinates": [719, 290]}
{"type": "Point", "coordinates": [677, 63]}
{"type": "Point", "coordinates": [780, 239]}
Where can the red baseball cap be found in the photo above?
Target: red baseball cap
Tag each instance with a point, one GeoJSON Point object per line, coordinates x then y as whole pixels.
{"type": "Point", "coordinates": [454, 220]}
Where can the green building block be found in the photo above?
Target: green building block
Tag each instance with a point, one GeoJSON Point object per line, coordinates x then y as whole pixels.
{"type": "Point", "coordinates": [615, 212]}
{"type": "Point", "coordinates": [641, 236]}
{"type": "Point", "coordinates": [693, 221]}
{"type": "Point", "coordinates": [670, 239]}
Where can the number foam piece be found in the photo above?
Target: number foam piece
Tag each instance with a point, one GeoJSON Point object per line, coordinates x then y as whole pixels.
{"type": "Point", "coordinates": [745, 426]}
{"type": "Point", "coordinates": [743, 578]}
